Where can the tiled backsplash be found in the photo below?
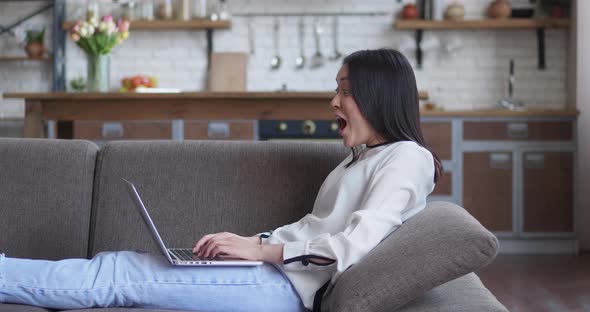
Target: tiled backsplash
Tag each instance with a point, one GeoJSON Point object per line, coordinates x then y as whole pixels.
{"type": "Point", "coordinates": [471, 76]}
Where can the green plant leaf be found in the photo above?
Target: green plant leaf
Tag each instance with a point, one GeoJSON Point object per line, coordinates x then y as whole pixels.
{"type": "Point", "coordinates": [93, 46]}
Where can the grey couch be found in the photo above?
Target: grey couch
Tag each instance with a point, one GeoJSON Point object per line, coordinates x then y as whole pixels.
{"type": "Point", "coordinates": [63, 199]}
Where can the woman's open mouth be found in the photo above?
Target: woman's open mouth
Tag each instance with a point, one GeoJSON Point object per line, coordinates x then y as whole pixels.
{"type": "Point", "coordinates": [342, 124]}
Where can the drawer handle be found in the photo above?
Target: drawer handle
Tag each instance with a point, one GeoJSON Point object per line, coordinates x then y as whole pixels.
{"type": "Point", "coordinates": [517, 130]}
{"type": "Point", "coordinates": [500, 161]}
{"type": "Point", "coordinates": [112, 130]}
{"type": "Point", "coordinates": [218, 130]}
{"type": "Point", "coordinates": [534, 161]}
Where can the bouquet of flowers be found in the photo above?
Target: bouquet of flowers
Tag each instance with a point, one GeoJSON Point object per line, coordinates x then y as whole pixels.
{"type": "Point", "coordinates": [99, 37]}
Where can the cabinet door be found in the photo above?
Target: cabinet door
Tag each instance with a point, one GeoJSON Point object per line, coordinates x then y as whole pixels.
{"type": "Point", "coordinates": [444, 186]}
{"type": "Point", "coordinates": [438, 136]}
{"type": "Point", "coordinates": [487, 188]}
{"type": "Point", "coordinates": [548, 192]}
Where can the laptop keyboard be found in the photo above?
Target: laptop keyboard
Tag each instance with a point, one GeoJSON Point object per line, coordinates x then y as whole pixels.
{"type": "Point", "coordinates": [187, 255]}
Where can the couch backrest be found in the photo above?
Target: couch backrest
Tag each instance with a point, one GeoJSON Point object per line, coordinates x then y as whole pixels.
{"type": "Point", "coordinates": [45, 197]}
{"type": "Point", "coordinates": [193, 188]}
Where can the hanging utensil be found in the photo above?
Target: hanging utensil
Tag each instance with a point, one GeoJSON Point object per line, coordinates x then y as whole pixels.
{"type": "Point", "coordinates": [251, 35]}
{"type": "Point", "coordinates": [317, 59]}
{"type": "Point", "coordinates": [510, 102]}
{"type": "Point", "coordinates": [300, 60]}
{"type": "Point", "coordinates": [337, 55]}
{"type": "Point", "coordinates": [275, 62]}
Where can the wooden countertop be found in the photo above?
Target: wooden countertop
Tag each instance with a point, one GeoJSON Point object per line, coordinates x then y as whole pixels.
{"type": "Point", "coordinates": [181, 95]}
{"type": "Point", "coordinates": [249, 96]}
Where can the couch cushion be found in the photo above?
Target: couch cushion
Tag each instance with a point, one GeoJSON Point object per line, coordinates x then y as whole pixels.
{"type": "Point", "coordinates": [464, 294]}
{"type": "Point", "coordinates": [193, 188]}
{"type": "Point", "coordinates": [439, 244]}
{"type": "Point", "coordinates": [45, 197]}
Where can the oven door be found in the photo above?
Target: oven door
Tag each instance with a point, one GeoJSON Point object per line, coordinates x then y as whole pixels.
{"type": "Point", "coordinates": [299, 130]}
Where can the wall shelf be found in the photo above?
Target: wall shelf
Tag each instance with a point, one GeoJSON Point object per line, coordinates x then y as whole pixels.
{"type": "Point", "coordinates": [510, 23]}
{"type": "Point", "coordinates": [24, 58]}
{"type": "Point", "coordinates": [499, 24]}
{"type": "Point", "coordinates": [196, 24]}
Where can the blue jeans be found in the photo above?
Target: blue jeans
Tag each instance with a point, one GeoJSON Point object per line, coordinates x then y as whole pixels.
{"type": "Point", "coordinates": [131, 279]}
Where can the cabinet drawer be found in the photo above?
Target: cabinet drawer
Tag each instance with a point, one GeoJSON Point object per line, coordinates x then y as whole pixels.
{"type": "Point", "coordinates": [444, 186]}
{"type": "Point", "coordinates": [530, 130]}
{"type": "Point", "coordinates": [123, 130]}
{"type": "Point", "coordinates": [438, 136]}
{"type": "Point", "coordinates": [487, 188]}
{"type": "Point", "coordinates": [218, 130]}
{"type": "Point", "coordinates": [548, 192]}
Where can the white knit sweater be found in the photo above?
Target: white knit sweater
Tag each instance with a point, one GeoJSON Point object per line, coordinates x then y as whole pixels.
{"type": "Point", "coordinates": [355, 209]}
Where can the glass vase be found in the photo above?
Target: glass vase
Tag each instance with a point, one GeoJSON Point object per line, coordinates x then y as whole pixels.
{"type": "Point", "coordinates": [98, 73]}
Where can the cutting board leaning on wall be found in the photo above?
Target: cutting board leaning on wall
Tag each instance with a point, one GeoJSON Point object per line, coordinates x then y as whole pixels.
{"type": "Point", "coordinates": [228, 71]}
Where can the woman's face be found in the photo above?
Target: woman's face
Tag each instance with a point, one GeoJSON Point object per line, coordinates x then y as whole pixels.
{"type": "Point", "coordinates": [354, 128]}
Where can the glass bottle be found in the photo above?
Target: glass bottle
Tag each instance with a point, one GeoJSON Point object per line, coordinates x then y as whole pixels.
{"type": "Point", "coordinates": [147, 10]}
{"type": "Point", "coordinates": [184, 10]}
{"type": "Point", "coordinates": [199, 8]}
{"type": "Point", "coordinates": [223, 10]}
{"type": "Point", "coordinates": [129, 13]}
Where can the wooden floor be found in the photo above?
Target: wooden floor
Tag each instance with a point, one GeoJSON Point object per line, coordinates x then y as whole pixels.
{"type": "Point", "coordinates": [540, 283]}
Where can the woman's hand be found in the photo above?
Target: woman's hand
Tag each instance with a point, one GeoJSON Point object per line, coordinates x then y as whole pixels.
{"type": "Point", "coordinates": [228, 244]}
{"type": "Point", "coordinates": [232, 245]}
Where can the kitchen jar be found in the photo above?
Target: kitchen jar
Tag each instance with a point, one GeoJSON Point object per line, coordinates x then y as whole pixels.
{"type": "Point", "coordinates": [455, 11]}
{"type": "Point", "coordinates": [500, 9]}
{"type": "Point", "coordinates": [165, 9]}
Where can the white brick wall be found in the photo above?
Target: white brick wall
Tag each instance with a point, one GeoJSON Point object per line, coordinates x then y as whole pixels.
{"type": "Point", "coordinates": [472, 77]}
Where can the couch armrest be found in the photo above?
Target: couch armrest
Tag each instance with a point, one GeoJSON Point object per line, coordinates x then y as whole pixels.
{"type": "Point", "coordinates": [439, 244]}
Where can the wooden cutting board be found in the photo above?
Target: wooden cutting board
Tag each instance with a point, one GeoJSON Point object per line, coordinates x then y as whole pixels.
{"type": "Point", "coordinates": [228, 71]}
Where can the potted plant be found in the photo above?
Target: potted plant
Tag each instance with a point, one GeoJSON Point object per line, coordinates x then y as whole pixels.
{"type": "Point", "coordinates": [34, 40]}
{"type": "Point", "coordinates": [97, 39]}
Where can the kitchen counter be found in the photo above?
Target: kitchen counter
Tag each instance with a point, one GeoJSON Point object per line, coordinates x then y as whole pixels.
{"type": "Point", "coordinates": [67, 107]}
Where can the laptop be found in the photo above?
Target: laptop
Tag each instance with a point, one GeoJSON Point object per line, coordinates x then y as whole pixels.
{"type": "Point", "coordinates": [180, 256]}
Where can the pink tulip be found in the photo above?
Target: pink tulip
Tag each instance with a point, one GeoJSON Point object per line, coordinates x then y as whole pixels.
{"type": "Point", "coordinates": [123, 26]}
{"type": "Point", "coordinates": [76, 27]}
{"type": "Point", "coordinates": [75, 36]}
{"type": "Point", "coordinates": [107, 18]}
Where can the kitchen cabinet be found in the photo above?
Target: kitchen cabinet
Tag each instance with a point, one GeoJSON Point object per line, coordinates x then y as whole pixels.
{"type": "Point", "coordinates": [519, 130]}
{"type": "Point", "coordinates": [488, 188]}
{"type": "Point", "coordinates": [122, 130]}
{"type": "Point", "coordinates": [224, 130]}
{"type": "Point", "coordinates": [518, 176]}
{"type": "Point", "coordinates": [548, 191]}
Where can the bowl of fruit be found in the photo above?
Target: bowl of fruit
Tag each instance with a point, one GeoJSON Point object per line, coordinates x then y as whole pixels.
{"type": "Point", "coordinates": [131, 84]}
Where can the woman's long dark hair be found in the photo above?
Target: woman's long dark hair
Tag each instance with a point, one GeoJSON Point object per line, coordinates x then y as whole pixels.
{"type": "Point", "coordinates": [384, 87]}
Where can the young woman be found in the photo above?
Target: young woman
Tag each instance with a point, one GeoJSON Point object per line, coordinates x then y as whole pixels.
{"type": "Point", "coordinates": [382, 183]}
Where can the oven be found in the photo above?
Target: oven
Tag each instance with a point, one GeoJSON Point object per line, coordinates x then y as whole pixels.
{"type": "Point", "coordinates": [299, 130]}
